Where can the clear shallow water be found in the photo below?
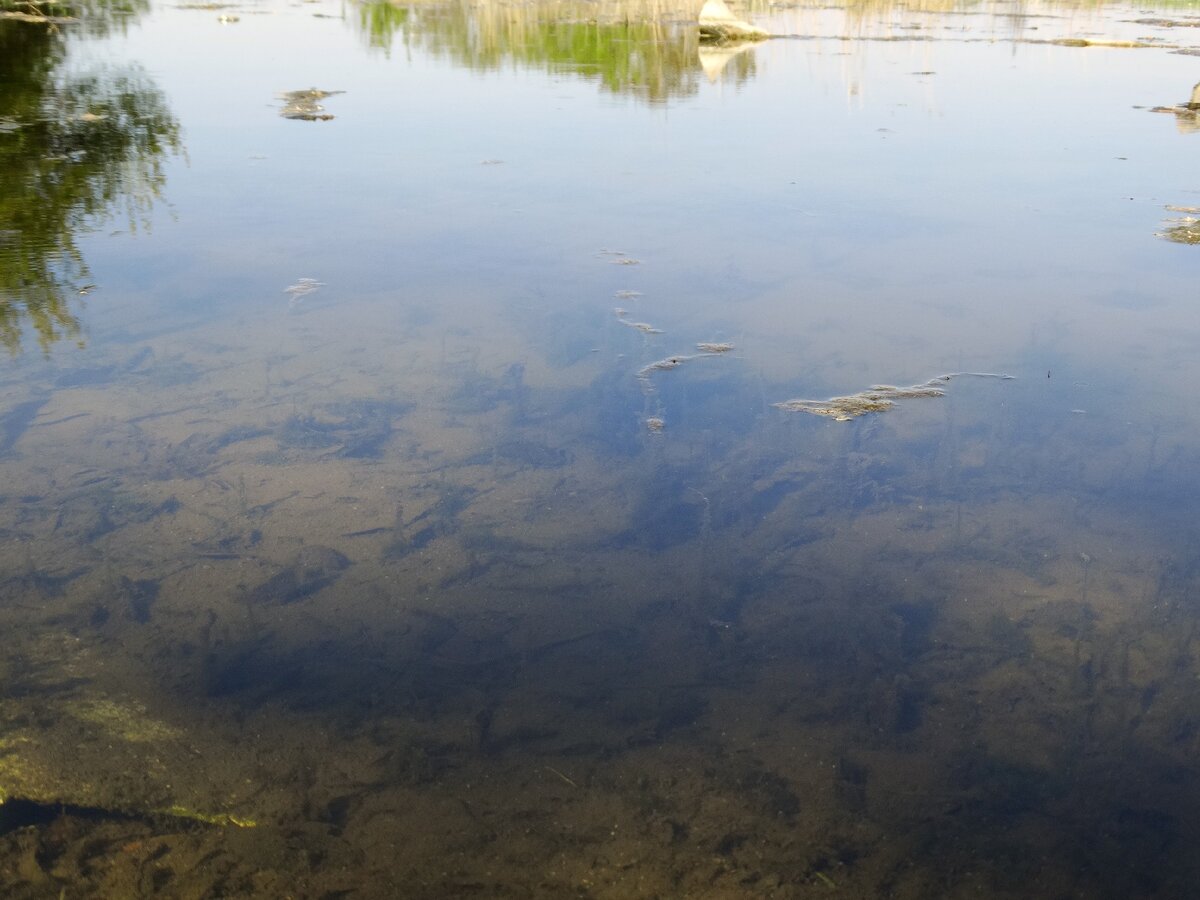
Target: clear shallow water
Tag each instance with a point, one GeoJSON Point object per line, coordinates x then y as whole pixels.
{"type": "Point", "coordinates": [397, 571]}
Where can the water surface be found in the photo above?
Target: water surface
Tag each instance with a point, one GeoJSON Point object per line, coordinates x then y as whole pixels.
{"type": "Point", "coordinates": [371, 523]}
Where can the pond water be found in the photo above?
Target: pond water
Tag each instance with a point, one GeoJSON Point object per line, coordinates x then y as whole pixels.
{"type": "Point", "coordinates": [409, 476]}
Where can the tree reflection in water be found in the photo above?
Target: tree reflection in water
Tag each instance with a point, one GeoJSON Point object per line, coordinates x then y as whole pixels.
{"type": "Point", "coordinates": [649, 49]}
{"type": "Point", "coordinates": [77, 151]}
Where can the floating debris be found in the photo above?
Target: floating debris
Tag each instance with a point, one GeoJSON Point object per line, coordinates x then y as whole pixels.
{"type": "Point", "coordinates": [305, 105]}
{"type": "Point", "coordinates": [655, 424]}
{"type": "Point", "coordinates": [228, 20]}
{"type": "Point", "coordinates": [491, 162]}
{"type": "Point", "coordinates": [627, 295]}
{"type": "Point", "coordinates": [643, 327]}
{"type": "Point", "coordinates": [1089, 42]}
{"type": "Point", "coordinates": [1168, 23]}
{"type": "Point", "coordinates": [302, 288]}
{"type": "Point", "coordinates": [1187, 115]}
{"type": "Point", "coordinates": [620, 257]}
{"type": "Point", "coordinates": [1184, 230]}
{"type": "Point", "coordinates": [710, 347]}
{"type": "Point", "coordinates": [663, 365]}
{"type": "Point", "coordinates": [1187, 121]}
{"type": "Point", "coordinates": [878, 397]}
{"type": "Point", "coordinates": [85, 290]}
{"type": "Point", "coordinates": [674, 362]}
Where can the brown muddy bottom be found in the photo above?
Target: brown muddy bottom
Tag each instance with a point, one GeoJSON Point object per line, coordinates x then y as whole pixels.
{"type": "Point", "coordinates": [426, 647]}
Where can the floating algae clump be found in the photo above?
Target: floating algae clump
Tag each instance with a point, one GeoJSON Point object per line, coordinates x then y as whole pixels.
{"type": "Point", "coordinates": [1184, 230]}
{"type": "Point", "coordinates": [674, 362]}
{"type": "Point", "coordinates": [663, 365]}
{"type": "Point", "coordinates": [305, 104]}
{"type": "Point", "coordinates": [877, 398]}
{"type": "Point", "coordinates": [643, 327]}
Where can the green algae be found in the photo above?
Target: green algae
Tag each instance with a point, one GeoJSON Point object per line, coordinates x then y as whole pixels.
{"type": "Point", "coordinates": [127, 721]}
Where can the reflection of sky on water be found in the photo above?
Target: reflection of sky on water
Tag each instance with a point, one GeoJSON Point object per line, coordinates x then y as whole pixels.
{"type": "Point", "coordinates": [848, 216]}
{"type": "Point", "coordinates": [980, 217]}
{"type": "Point", "coordinates": [1012, 191]}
